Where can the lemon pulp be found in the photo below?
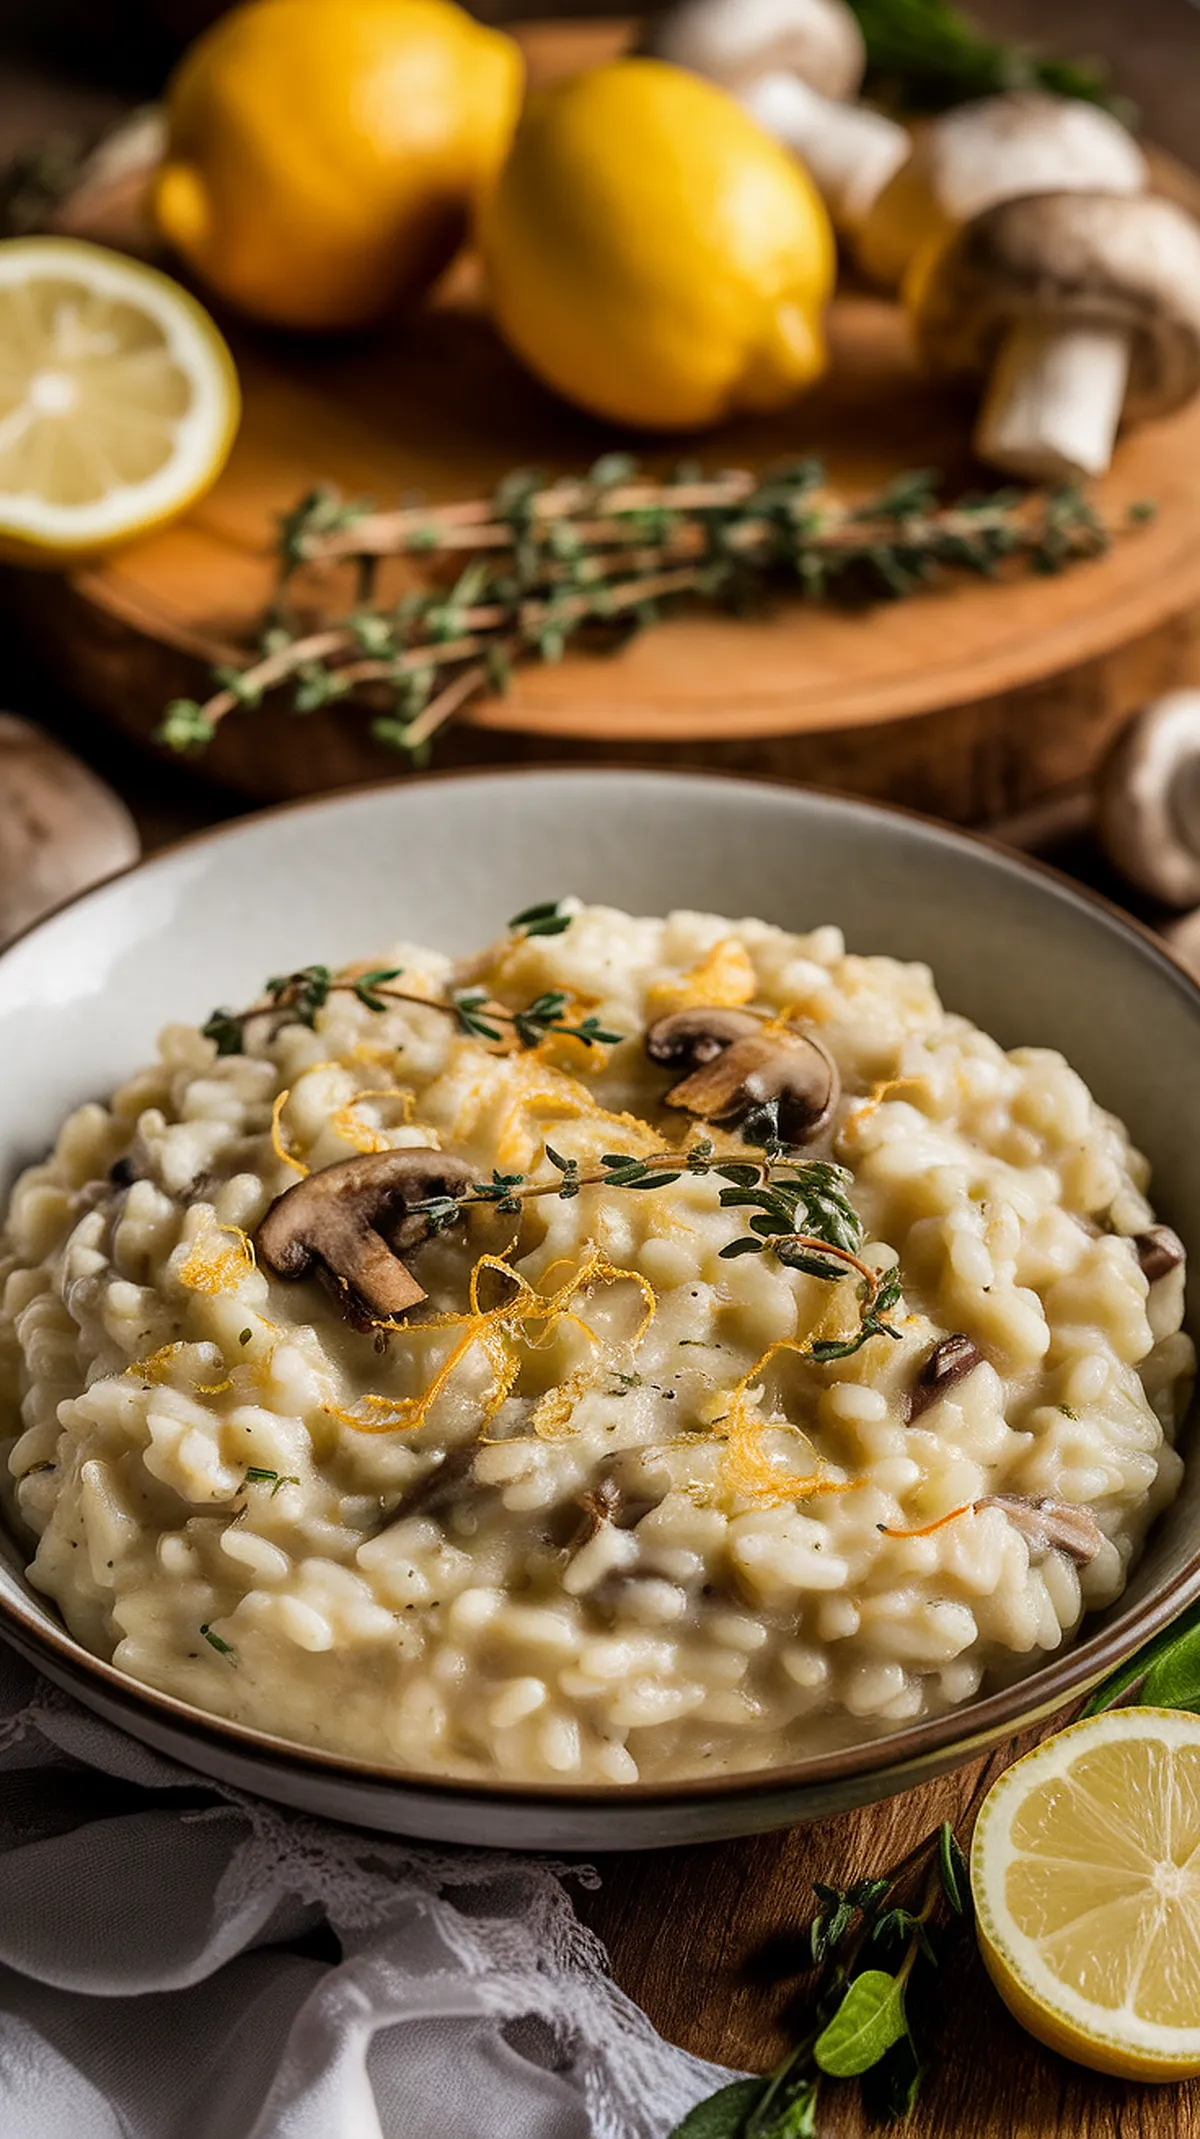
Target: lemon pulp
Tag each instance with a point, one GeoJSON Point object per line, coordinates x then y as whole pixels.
{"type": "Point", "coordinates": [118, 398]}
{"type": "Point", "coordinates": [1086, 1872]}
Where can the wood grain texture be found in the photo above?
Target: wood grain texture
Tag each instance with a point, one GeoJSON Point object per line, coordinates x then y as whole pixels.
{"type": "Point", "coordinates": [969, 701]}
{"type": "Point", "coordinates": [710, 1941]}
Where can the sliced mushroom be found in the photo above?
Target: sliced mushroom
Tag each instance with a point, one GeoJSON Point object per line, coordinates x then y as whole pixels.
{"type": "Point", "coordinates": [736, 1063]}
{"type": "Point", "coordinates": [1078, 309]}
{"type": "Point", "coordinates": [949, 1363]}
{"type": "Point", "coordinates": [1050, 1525]}
{"type": "Point", "coordinates": [351, 1224]}
{"type": "Point", "coordinates": [1159, 1251]}
{"type": "Point", "coordinates": [598, 1504]}
{"type": "Point", "coordinates": [795, 66]}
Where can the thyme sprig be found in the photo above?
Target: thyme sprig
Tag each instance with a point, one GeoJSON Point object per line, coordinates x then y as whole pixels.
{"type": "Point", "coordinates": [539, 565]}
{"type": "Point", "coordinates": [802, 1215]}
{"type": "Point", "coordinates": [295, 998]}
{"type": "Point", "coordinates": [874, 1945]}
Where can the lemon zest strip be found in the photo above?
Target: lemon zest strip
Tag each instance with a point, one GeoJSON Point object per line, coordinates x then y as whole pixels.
{"type": "Point", "coordinates": [277, 1144]}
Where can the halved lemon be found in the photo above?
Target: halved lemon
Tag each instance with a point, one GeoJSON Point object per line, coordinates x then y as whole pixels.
{"type": "Point", "coordinates": [118, 399]}
{"type": "Point", "coordinates": [1085, 1869]}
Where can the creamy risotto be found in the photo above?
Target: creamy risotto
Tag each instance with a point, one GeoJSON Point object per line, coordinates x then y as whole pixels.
{"type": "Point", "coordinates": [681, 1343]}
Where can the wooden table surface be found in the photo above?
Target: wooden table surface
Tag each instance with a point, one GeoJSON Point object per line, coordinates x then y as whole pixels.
{"type": "Point", "coordinates": [707, 1939]}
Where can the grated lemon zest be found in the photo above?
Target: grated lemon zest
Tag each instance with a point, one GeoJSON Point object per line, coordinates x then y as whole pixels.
{"type": "Point", "coordinates": [494, 1328]}
{"type": "Point", "coordinates": [746, 1472]}
{"type": "Point", "coordinates": [551, 1416]}
{"type": "Point", "coordinates": [724, 978]}
{"type": "Point", "coordinates": [277, 1144]}
{"type": "Point", "coordinates": [927, 1529]}
{"type": "Point", "coordinates": [878, 1094]}
{"type": "Point", "coordinates": [346, 1123]}
{"type": "Point", "coordinates": [217, 1270]}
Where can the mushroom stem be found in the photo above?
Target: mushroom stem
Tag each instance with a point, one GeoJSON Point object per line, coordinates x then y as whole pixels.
{"type": "Point", "coordinates": [850, 150]}
{"type": "Point", "coordinates": [1054, 400]}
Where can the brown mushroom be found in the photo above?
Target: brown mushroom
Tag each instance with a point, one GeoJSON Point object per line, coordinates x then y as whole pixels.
{"type": "Point", "coordinates": [948, 1363]}
{"type": "Point", "coordinates": [351, 1224]}
{"type": "Point", "coordinates": [1159, 1251]}
{"type": "Point", "coordinates": [61, 829]}
{"type": "Point", "coordinates": [989, 150]}
{"type": "Point", "coordinates": [1050, 1525]}
{"type": "Point", "coordinates": [735, 1063]}
{"type": "Point", "coordinates": [1077, 309]}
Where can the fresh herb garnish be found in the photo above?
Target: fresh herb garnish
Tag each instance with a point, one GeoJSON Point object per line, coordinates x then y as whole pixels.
{"type": "Point", "coordinates": [223, 1648]}
{"type": "Point", "coordinates": [1165, 1671]}
{"type": "Point", "coordinates": [802, 1215]}
{"type": "Point", "coordinates": [295, 998]}
{"type": "Point", "coordinates": [257, 1476]}
{"type": "Point", "coordinates": [603, 556]}
{"type": "Point", "coordinates": [924, 55]}
{"type": "Point", "coordinates": [876, 1945]}
{"type": "Point", "coordinates": [548, 919]}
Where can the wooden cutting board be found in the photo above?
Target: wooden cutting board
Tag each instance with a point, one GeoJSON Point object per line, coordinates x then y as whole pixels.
{"type": "Point", "coordinates": [711, 1942]}
{"type": "Point", "coordinates": [970, 702]}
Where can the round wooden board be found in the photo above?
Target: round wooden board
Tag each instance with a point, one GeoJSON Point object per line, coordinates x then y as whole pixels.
{"type": "Point", "coordinates": [973, 699]}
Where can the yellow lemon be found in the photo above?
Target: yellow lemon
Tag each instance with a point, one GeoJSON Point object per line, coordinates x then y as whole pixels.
{"type": "Point", "coordinates": [1086, 1873]}
{"type": "Point", "coordinates": [118, 400]}
{"type": "Point", "coordinates": [653, 255]}
{"type": "Point", "coordinates": [324, 156]}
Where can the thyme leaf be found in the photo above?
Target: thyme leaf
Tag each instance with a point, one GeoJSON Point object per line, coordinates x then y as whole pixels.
{"type": "Point", "coordinates": [295, 998]}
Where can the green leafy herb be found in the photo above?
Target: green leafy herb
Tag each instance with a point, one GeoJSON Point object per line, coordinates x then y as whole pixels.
{"type": "Point", "coordinates": [1146, 1660]}
{"type": "Point", "coordinates": [722, 2115]}
{"type": "Point", "coordinates": [870, 1943]}
{"type": "Point", "coordinates": [547, 919]}
{"type": "Point", "coordinates": [1173, 1679]}
{"type": "Point", "coordinates": [924, 55]}
{"type": "Point", "coordinates": [257, 1476]}
{"type": "Point", "coordinates": [245, 1335]}
{"type": "Point", "coordinates": [868, 2021]}
{"type": "Point", "coordinates": [295, 998]}
{"type": "Point", "coordinates": [223, 1648]}
{"type": "Point", "coordinates": [593, 558]}
{"type": "Point", "coordinates": [952, 1866]}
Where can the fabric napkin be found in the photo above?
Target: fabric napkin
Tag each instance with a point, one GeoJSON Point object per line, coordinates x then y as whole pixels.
{"type": "Point", "coordinates": [181, 1961]}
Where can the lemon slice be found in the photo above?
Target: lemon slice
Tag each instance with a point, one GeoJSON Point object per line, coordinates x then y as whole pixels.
{"type": "Point", "coordinates": [1086, 1873]}
{"type": "Point", "coordinates": [118, 399]}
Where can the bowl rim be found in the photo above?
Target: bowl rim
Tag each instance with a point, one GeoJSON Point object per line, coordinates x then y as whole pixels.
{"type": "Point", "coordinates": [942, 1739]}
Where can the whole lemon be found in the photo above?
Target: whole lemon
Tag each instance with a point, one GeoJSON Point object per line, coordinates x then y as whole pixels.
{"type": "Point", "coordinates": [324, 157]}
{"type": "Point", "coordinates": [653, 255]}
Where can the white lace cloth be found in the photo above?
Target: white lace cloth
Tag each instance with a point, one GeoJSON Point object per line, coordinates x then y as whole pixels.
{"type": "Point", "coordinates": [167, 1970]}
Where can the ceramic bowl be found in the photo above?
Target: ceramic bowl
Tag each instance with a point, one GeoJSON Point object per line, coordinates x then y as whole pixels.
{"type": "Point", "coordinates": [1027, 955]}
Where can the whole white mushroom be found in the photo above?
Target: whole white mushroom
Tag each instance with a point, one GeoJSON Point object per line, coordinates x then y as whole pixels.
{"type": "Point", "coordinates": [1076, 310]}
{"type": "Point", "coordinates": [61, 828]}
{"type": "Point", "coordinates": [993, 149]}
{"type": "Point", "coordinates": [795, 66]}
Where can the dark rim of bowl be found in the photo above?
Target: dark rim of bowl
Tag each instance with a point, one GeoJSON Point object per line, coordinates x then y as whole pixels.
{"type": "Point", "coordinates": [951, 1736]}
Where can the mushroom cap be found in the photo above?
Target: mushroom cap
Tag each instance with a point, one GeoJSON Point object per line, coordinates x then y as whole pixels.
{"type": "Point", "coordinates": [737, 1063]}
{"type": "Point", "coordinates": [1149, 799]}
{"type": "Point", "coordinates": [733, 42]}
{"type": "Point", "coordinates": [686, 1039]}
{"type": "Point", "coordinates": [1098, 260]}
{"type": "Point", "coordinates": [61, 828]}
{"type": "Point", "coordinates": [350, 1224]}
{"type": "Point", "coordinates": [994, 149]}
